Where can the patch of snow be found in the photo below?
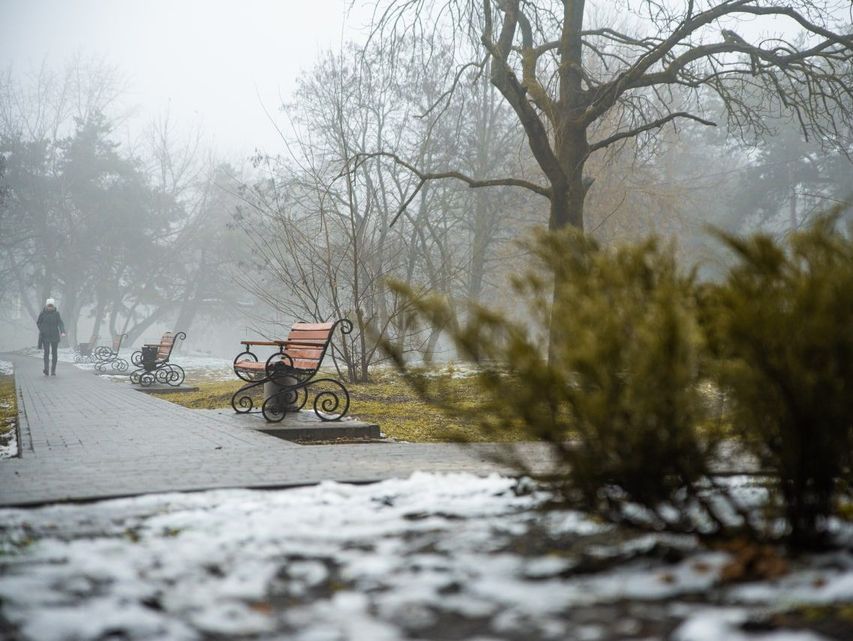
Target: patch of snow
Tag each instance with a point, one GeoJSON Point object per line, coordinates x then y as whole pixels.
{"type": "Point", "coordinates": [9, 443]}
{"type": "Point", "coordinates": [722, 624]}
{"type": "Point", "coordinates": [381, 562]}
{"type": "Point", "coordinates": [9, 438]}
{"type": "Point", "coordinates": [99, 618]}
{"type": "Point", "coordinates": [205, 367]}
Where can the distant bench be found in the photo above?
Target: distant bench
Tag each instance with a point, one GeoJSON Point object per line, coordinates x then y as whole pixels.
{"type": "Point", "coordinates": [83, 351]}
{"type": "Point", "coordinates": [289, 373]}
{"type": "Point", "coordinates": [153, 362]}
{"type": "Point", "coordinates": [109, 355]}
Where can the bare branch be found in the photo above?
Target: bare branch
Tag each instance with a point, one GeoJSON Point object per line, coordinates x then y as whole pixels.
{"type": "Point", "coordinates": [424, 177]}
{"type": "Point", "coordinates": [655, 124]}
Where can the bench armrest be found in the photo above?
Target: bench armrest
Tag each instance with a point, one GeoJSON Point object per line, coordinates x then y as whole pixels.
{"type": "Point", "coordinates": [305, 342]}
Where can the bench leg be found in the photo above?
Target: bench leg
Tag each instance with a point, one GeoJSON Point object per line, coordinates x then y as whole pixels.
{"type": "Point", "coordinates": [242, 400]}
{"type": "Point", "coordinates": [331, 403]}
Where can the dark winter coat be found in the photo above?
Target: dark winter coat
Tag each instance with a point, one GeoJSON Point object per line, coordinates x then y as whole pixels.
{"type": "Point", "coordinates": [50, 325]}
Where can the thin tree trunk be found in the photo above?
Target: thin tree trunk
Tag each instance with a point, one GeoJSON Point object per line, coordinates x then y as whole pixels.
{"type": "Point", "coordinates": [100, 306]}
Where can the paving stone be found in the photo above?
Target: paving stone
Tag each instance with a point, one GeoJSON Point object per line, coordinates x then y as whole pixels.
{"type": "Point", "coordinates": [84, 438]}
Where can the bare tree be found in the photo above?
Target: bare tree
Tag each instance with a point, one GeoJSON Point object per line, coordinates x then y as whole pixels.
{"type": "Point", "coordinates": [323, 235]}
{"type": "Point", "coordinates": [565, 67]}
{"type": "Point", "coordinates": [322, 238]}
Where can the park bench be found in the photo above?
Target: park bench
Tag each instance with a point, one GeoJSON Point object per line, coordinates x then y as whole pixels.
{"type": "Point", "coordinates": [153, 363]}
{"type": "Point", "coordinates": [108, 355]}
{"type": "Point", "coordinates": [83, 351]}
{"type": "Point", "coordinates": [290, 372]}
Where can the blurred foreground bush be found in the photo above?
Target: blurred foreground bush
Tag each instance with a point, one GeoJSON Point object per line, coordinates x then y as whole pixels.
{"type": "Point", "coordinates": [610, 365]}
{"type": "Point", "coordinates": [781, 330]}
{"type": "Point", "coordinates": [618, 398]}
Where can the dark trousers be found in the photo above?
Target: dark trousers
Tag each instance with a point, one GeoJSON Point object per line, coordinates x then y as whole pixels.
{"type": "Point", "coordinates": [50, 347]}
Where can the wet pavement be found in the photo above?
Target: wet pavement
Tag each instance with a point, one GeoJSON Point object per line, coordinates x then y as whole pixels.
{"type": "Point", "coordinates": [84, 438]}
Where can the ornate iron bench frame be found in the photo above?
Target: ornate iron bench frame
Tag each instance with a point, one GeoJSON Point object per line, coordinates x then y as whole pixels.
{"type": "Point", "coordinates": [294, 368]}
{"type": "Point", "coordinates": [83, 352]}
{"type": "Point", "coordinates": [105, 355]}
{"type": "Point", "coordinates": [158, 369]}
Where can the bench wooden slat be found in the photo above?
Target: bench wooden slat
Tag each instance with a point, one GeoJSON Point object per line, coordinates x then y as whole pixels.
{"type": "Point", "coordinates": [252, 366]}
{"type": "Point", "coordinates": [304, 352]}
{"type": "Point", "coordinates": [317, 335]}
{"type": "Point", "coordinates": [304, 343]}
{"type": "Point", "coordinates": [165, 346]}
{"type": "Point", "coordinates": [311, 326]}
{"type": "Point", "coordinates": [264, 343]}
{"type": "Point", "coordinates": [304, 363]}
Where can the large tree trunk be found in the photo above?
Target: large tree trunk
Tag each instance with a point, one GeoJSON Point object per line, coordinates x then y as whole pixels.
{"type": "Point", "coordinates": [32, 308]}
{"type": "Point", "coordinates": [567, 209]}
{"type": "Point", "coordinates": [193, 297]}
{"type": "Point", "coordinates": [71, 317]}
{"type": "Point", "coordinates": [100, 306]}
{"type": "Point", "coordinates": [133, 333]}
{"type": "Point", "coordinates": [567, 205]}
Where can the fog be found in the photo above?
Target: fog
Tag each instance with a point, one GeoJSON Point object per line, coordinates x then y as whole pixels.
{"type": "Point", "coordinates": [217, 70]}
{"type": "Point", "coordinates": [215, 63]}
{"type": "Point", "coordinates": [226, 168]}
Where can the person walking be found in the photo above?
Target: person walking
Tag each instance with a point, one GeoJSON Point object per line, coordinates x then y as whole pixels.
{"type": "Point", "coordinates": [51, 329]}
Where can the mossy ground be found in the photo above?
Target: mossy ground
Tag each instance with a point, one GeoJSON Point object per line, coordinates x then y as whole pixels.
{"type": "Point", "coordinates": [387, 401]}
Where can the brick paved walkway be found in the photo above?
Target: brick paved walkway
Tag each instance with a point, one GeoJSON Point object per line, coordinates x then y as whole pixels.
{"type": "Point", "coordinates": [85, 438]}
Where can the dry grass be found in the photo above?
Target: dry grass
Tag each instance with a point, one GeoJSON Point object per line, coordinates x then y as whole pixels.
{"type": "Point", "coordinates": [388, 402]}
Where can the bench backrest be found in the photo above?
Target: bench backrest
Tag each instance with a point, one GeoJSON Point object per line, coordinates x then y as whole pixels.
{"type": "Point", "coordinates": [165, 348]}
{"type": "Point", "coordinates": [307, 343]}
{"type": "Point", "coordinates": [167, 344]}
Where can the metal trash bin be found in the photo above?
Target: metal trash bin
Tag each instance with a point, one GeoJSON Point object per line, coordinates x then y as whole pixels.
{"type": "Point", "coordinates": [276, 384]}
{"type": "Point", "coordinates": [149, 357]}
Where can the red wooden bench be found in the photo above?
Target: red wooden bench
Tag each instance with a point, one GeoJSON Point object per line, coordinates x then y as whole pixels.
{"type": "Point", "coordinates": [292, 370]}
{"type": "Point", "coordinates": [153, 362]}
{"type": "Point", "coordinates": [109, 355]}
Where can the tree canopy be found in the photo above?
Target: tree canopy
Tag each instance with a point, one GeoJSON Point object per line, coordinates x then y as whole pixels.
{"type": "Point", "coordinates": [584, 78]}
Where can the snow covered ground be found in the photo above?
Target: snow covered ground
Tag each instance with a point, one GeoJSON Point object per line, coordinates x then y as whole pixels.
{"type": "Point", "coordinates": [204, 367]}
{"type": "Point", "coordinates": [196, 365]}
{"type": "Point", "coordinates": [429, 557]}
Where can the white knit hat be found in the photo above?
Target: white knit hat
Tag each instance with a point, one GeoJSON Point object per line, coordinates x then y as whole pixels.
{"type": "Point", "coordinates": [50, 301]}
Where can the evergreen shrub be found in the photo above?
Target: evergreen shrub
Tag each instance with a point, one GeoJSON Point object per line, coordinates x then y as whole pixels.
{"type": "Point", "coordinates": [781, 330]}
{"type": "Point", "coordinates": [616, 388]}
{"type": "Point", "coordinates": [613, 358]}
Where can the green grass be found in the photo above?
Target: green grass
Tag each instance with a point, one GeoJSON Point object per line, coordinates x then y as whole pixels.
{"type": "Point", "coordinates": [388, 402]}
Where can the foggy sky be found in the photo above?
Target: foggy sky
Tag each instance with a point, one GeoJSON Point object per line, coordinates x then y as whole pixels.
{"type": "Point", "coordinates": [210, 62]}
{"type": "Point", "coordinates": [207, 62]}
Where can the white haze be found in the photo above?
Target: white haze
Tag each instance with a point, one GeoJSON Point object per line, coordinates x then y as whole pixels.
{"type": "Point", "coordinates": [210, 63]}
